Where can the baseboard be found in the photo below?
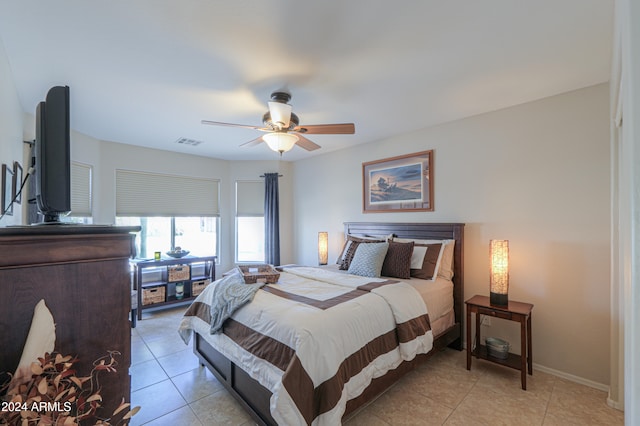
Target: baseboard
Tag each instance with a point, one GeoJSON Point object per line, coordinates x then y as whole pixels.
{"type": "Point", "coordinates": [576, 379]}
{"type": "Point", "coordinates": [572, 378]}
{"type": "Point", "coordinates": [615, 404]}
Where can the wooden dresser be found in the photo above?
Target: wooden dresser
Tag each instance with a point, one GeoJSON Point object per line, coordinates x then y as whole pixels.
{"type": "Point", "coordinates": [82, 273]}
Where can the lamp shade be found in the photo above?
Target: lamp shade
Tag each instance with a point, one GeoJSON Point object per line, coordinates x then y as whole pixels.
{"type": "Point", "coordinates": [499, 279]}
{"type": "Point", "coordinates": [323, 248]}
{"type": "Point", "coordinates": [280, 114]}
{"type": "Point", "coordinates": [280, 141]}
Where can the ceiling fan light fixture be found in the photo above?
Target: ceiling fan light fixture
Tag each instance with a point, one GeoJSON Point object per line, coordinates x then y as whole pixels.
{"type": "Point", "coordinates": [280, 141]}
{"type": "Point", "coordinates": [280, 114]}
{"type": "Point", "coordinates": [279, 121]}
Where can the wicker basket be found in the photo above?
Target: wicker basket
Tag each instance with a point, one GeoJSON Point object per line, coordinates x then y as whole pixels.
{"type": "Point", "coordinates": [178, 273]}
{"type": "Point", "coordinates": [262, 273]}
{"type": "Point", "coordinates": [153, 295]}
{"type": "Point", "coordinates": [198, 286]}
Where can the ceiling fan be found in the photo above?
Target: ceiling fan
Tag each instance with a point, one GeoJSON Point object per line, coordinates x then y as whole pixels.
{"type": "Point", "coordinates": [283, 129]}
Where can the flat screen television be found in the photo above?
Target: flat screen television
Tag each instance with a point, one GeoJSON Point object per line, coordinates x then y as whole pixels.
{"type": "Point", "coordinates": [52, 156]}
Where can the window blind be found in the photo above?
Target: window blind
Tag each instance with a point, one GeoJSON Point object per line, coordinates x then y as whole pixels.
{"type": "Point", "coordinates": [250, 198]}
{"type": "Point", "coordinates": [81, 189]}
{"type": "Point", "coordinates": [154, 194]}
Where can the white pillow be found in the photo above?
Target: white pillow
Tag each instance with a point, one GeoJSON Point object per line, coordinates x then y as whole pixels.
{"type": "Point", "coordinates": [417, 257]}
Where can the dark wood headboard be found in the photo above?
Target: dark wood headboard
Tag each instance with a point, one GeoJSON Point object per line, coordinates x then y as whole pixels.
{"type": "Point", "coordinates": [424, 231]}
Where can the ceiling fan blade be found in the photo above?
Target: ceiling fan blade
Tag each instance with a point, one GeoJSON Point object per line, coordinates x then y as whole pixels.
{"type": "Point", "coordinates": [218, 123]}
{"type": "Point", "coordinates": [253, 142]}
{"type": "Point", "coordinates": [280, 114]}
{"type": "Point", "coordinates": [327, 129]}
{"type": "Point", "coordinates": [306, 143]}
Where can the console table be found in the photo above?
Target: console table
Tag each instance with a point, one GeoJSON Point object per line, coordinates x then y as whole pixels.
{"type": "Point", "coordinates": [169, 273]}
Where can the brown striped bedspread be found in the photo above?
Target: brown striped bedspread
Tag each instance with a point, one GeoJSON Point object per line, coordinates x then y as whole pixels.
{"type": "Point", "coordinates": [317, 338]}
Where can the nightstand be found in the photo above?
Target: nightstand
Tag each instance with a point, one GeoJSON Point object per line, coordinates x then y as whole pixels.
{"type": "Point", "coordinates": [514, 311]}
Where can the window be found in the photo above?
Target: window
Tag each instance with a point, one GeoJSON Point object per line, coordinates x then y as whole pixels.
{"type": "Point", "coordinates": [250, 221]}
{"type": "Point", "coordinates": [81, 195]}
{"type": "Point", "coordinates": [199, 235]}
{"type": "Point", "coordinates": [173, 211]}
{"type": "Point", "coordinates": [249, 239]}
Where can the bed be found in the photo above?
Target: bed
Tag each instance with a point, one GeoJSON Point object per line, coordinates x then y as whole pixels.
{"type": "Point", "coordinates": [343, 341]}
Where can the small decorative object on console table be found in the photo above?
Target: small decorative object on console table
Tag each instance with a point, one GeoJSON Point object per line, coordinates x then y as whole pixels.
{"type": "Point", "coordinates": [514, 311]}
{"type": "Point", "coordinates": [177, 253]}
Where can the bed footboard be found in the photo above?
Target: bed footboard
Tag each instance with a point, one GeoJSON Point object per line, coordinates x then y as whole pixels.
{"type": "Point", "coordinates": [253, 397]}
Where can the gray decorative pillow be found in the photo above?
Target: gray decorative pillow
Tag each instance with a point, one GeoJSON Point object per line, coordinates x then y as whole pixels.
{"type": "Point", "coordinates": [368, 259]}
{"type": "Point", "coordinates": [349, 250]}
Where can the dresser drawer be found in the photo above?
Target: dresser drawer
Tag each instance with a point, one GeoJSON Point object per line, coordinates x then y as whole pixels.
{"type": "Point", "coordinates": [493, 313]}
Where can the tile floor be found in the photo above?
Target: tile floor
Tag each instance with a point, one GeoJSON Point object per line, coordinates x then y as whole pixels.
{"type": "Point", "coordinates": [173, 390]}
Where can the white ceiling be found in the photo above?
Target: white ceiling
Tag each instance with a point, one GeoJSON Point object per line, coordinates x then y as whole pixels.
{"type": "Point", "coordinates": [145, 72]}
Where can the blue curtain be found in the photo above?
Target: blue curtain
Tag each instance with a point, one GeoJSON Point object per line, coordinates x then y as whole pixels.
{"type": "Point", "coordinates": [271, 219]}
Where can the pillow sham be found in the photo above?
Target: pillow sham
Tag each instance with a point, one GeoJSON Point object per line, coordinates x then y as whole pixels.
{"type": "Point", "coordinates": [445, 264]}
{"type": "Point", "coordinates": [349, 249]}
{"type": "Point", "coordinates": [368, 259]}
{"type": "Point", "coordinates": [428, 269]}
{"type": "Point", "coordinates": [397, 262]}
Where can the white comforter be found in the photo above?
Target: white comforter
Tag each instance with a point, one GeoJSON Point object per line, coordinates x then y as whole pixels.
{"type": "Point", "coordinates": [317, 338]}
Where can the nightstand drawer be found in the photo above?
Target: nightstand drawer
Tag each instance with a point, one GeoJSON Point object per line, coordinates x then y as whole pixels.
{"type": "Point", "coordinates": [494, 313]}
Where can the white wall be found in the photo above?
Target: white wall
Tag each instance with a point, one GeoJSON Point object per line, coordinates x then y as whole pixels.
{"type": "Point", "coordinates": [537, 175]}
{"type": "Point", "coordinates": [11, 137]}
{"type": "Point", "coordinates": [626, 210]}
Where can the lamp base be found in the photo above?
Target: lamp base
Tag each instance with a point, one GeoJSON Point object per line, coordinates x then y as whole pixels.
{"type": "Point", "coordinates": [498, 299]}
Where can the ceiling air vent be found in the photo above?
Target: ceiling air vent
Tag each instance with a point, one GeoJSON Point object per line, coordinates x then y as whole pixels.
{"type": "Point", "coordinates": [186, 141]}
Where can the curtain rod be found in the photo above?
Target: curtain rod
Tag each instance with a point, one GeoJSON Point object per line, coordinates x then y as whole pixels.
{"type": "Point", "coordinates": [263, 176]}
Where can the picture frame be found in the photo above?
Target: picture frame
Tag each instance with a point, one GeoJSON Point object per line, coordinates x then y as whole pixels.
{"type": "Point", "coordinates": [17, 183]}
{"type": "Point", "coordinates": [398, 184]}
{"type": "Point", "coordinates": [7, 190]}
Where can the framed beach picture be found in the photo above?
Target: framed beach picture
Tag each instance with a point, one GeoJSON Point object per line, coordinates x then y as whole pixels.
{"type": "Point", "coordinates": [398, 184]}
